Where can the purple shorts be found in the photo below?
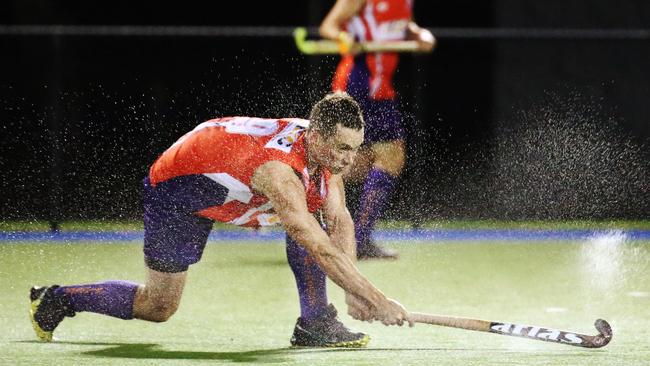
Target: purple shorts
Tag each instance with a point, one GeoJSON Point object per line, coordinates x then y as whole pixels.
{"type": "Point", "coordinates": [174, 236]}
{"type": "Point", "coordinates": [383, 118]}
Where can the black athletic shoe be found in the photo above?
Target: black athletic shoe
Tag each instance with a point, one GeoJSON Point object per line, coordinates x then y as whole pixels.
{"type": "Point", "coordinates": [370, 250]}
{"type": "Point", "coordinates": [47, 311]}
{"type": "Point", "coordinates": [326, 331]}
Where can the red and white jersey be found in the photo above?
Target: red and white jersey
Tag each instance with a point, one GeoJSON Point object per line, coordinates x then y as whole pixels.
{"type": "Point", "coordinates": [228, 151]}
{"type": "Point", "coordinates": [381, 20]}
{"type": "Point", "coordinates": [377, 20]}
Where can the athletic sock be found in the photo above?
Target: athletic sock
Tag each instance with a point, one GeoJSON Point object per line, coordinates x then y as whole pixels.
{"type": "Point", "coordinates": [376, 191]}
{"type": "Point", "coordinates": [113, 298]}
{"type": "Point", "coordinates": [310, 278]}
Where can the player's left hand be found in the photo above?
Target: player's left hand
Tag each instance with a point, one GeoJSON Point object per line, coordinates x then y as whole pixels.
{"type": "Point", "coordinates": [357, 308]}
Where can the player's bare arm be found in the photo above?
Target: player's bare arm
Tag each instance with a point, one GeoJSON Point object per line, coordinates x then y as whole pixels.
{"type": "Point", "coordinates": [332, 25]}
{"type": "Point", "coordinates": [340, 226]}
{"type": "Point", "coordinates": [340, 229]}
{"type": "Point", "coordinates": [278, 182]}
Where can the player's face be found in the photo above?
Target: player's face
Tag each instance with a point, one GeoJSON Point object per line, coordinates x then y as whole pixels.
{"type": "Point", "coordinates": [339, 150]}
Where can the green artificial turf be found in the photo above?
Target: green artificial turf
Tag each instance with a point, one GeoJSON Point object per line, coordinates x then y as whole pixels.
{"type": "Point", "coordinates": [240, 305]}
{"type": "Point", "coordinates": [133, 225]}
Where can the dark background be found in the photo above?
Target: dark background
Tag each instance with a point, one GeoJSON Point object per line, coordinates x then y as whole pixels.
{"type": "Point", "coordinates": [505, 127]}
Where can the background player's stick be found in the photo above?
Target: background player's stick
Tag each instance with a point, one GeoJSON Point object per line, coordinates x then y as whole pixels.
{"type": "Point", "coordinates": [538, 333]}
{"type": "Point", "coordinates": [328, 47]}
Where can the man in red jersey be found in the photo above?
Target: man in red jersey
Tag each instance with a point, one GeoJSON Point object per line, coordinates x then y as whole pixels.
{"type": "Point", "coordinates": [368, 78]}
{"type": "Point", "coordinates": [249, 172]}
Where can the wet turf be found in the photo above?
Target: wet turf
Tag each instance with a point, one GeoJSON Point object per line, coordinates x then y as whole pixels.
{"type": "Point", "coordinates": [240, 304]}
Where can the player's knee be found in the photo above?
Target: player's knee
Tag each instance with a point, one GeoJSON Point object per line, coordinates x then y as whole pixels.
{"type": "Point", "coordinates": [152, 307]}
{"type": "Point", "coordinates": [391, 164]}
{"type": "Point", "coordinates": [390, 157]}
{"type": "Point", "coordinates": [161, 311]}
{"type": "Point", "coordinates": [396, 166]}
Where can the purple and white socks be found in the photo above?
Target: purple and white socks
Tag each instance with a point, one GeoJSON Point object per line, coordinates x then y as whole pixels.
{"type": "Point", "coordinates": [113, 298]}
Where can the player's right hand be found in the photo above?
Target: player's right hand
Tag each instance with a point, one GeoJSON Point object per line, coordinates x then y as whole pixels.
{"type": "Point", "coordinates": [391, 312]}
{"type": "Point", "coordinates": [426, 40]}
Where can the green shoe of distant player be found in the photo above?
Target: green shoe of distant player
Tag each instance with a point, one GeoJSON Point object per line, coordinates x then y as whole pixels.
{"type": "Point", "coordinates": [47, 311]}
{"type": "Point", "coordinates": [326, 331]}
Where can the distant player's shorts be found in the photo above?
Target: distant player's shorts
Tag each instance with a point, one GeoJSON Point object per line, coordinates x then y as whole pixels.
{"type": "Point", "coordinates": [383, 118]}
{"type": "Point", "coordinates": [174, 237]}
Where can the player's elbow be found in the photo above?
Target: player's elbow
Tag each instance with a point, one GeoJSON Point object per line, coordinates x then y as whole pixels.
{"type": "Point", "coordinates": [328, 30]}
{"type": "Point", "coordinates": [322, 30]}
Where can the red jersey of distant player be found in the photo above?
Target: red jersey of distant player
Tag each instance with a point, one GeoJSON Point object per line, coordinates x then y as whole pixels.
{"type": "Point", "coordinates": [228, 151]}
{"type": "Point", "coordinates": [377, 20]}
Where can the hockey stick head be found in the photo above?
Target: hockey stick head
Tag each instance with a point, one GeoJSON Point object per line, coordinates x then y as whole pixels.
{"type": "Point", "coordinates": [300, 37]}
{"type": "Point", "coordinates": [605, 330]}
{"type": "Point", "coordinates": [310, 47]}
{"type": "Point", "coordinates": [558, 336]}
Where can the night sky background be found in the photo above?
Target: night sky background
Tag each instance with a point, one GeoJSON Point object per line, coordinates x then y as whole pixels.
{"type": "Point", "coordinates": [501, 127]}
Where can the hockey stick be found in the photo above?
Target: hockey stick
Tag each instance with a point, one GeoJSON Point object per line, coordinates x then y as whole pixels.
{"type": "Point", "coordinates": [516, 330]}
{"type": "Point", "coordinates": [329, 47]}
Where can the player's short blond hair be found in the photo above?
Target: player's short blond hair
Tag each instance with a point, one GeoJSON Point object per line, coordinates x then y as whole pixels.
{"type": "Point", "coordinates": [336, 108]}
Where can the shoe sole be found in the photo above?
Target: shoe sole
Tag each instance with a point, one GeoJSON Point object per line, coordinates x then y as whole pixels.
{"type": "Point", "coordinates": [359, 343]}
{"type": "Point", "coordinates": [43, 335]}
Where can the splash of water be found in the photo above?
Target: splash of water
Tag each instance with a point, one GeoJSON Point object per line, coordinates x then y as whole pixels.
{"type": "Point", "coordinates": [603, 259]}
{"type": "Point", "coordinates": [568, 159]}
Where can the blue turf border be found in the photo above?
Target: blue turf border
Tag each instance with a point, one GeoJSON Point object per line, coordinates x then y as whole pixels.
{"type": "Point", "coordinates": [433, 235]}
